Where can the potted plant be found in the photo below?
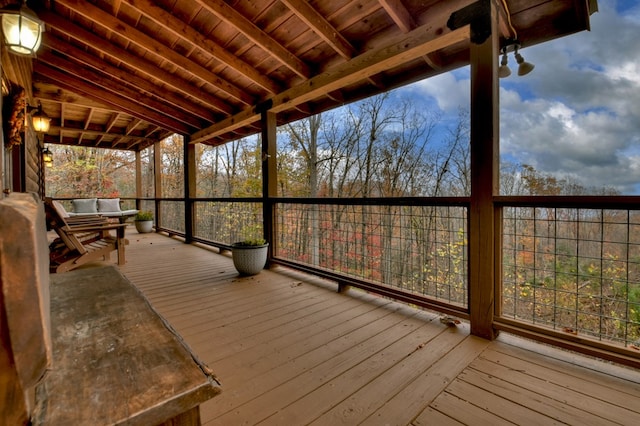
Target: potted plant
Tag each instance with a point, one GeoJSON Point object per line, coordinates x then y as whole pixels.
{"type": "Point", "coordinates": [144, 221]}
{"type": "Point", "coordinates": [249, 256]}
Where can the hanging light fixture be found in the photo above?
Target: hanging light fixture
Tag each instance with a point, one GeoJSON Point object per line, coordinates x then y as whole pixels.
{"type": "Point", "coordinates": [47, 157]}
{"type": "Point", "coordinates": [504, 70]}
{"type": "Point", "coordinates": [524, 67]}
{"type": "Point", "coordinates": [41, 121]}
{"type": "Point", "coordinates": [22, 29]}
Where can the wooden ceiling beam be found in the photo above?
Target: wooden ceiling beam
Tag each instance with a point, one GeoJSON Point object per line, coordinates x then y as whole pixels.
{"type": "Point", "coordinates": [118, 103]}
{"type": "Point", "coordinates": [146, 85]}
{"type": "Point", "coordinates": [421, 41]}
{"type": "Point", "coordinates": [178, 28]}
{"type": "Point", "coordinates": [305, 108]}
{"type": "Point", "coordinates": [153, 46]}
{"type": "Point", "coordinates": [399, 14]}
{"type": "Point", "coordinates": [106, 83]}
{"type": "Point", "coordinates": [95, 133]}
{"type": "Point", "coordinates": [321, 27]}
{"type": "Point", "coordinates": [336, 95]}
{"type": "Point", "coordinates": [135, 62]}
{"type": "Point", "coordinates": [87, 121]}
{"type": "Point", "coordinates": [108, 126]}
{"type": "Point", "coordinates": [132, 126]}
{"type": "Point", "coordinates": [112, 121]}
{"type": "Point", "coordinates": [232, 17]}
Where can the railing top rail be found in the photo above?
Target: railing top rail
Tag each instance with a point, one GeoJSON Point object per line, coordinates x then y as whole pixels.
{"type": "Point", "coordinates": [437, 201]}
{"type": "Point", "coordinates": [583, 201]}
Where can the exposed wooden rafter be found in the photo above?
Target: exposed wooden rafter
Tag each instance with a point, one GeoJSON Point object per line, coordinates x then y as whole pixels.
{"type": "Point", "coordinates": [207, 68]}
{"type": "Point", "coordinates": [419, 42]}
{"type": "Point", "coordinates": [228, 14]}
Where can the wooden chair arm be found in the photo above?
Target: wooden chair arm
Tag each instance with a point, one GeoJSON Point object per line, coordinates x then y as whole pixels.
{"type": "Point", "coordinates": [96, 228]}
{"type": "Point", "coordinates": [73, 220]}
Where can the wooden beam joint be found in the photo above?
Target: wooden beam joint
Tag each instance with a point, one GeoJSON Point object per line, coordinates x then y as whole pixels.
{"type": "Point", "coordinates": [478, 16]}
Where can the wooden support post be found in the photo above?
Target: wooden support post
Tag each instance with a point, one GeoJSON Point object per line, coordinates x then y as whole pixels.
{"type": "Point", "coordinates": [138, 180]}
{"type": "Point", "coordinates": [189, 188]}
{"type": "Point", "coordinates": [269, 177]}
{"type": "Point", "coordinates": [484, 173]}
{"type": "Point", "coordinates": [157, 175]}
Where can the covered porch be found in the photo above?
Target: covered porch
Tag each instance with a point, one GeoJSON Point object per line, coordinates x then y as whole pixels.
{"type": "Point", "coordinates": [289, 349]}
{"type": "Point", "coordinates": [286, 345]}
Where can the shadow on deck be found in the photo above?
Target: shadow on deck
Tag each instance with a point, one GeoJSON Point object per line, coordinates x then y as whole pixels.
{"type": "Point", "coordinates": [289, 350]}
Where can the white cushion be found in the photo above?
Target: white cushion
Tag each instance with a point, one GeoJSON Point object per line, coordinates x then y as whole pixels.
{"type": "Point", "coordinates": [108, 205]}
{"type": "Point", "coordinates": [85, 205]}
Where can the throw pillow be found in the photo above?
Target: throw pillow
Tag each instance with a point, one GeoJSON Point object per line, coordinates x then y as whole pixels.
{"type": "Point", "coordinates": [85, 205]}
{"type": "Point", "coordinates": [108, 205]}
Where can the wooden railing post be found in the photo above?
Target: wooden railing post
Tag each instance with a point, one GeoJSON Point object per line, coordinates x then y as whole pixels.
{"type": "Point", "coordinates": [157, 175]}
{"type": "Point", "coordinates": [269, 177]}
{"type": "Point", "coordinates": [189, 188]}
{"type": "Point", "coordinates": [138, 180]}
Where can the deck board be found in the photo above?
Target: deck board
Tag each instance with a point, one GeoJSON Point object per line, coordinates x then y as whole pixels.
{"type": "Point", "coordinates": [288, 349]}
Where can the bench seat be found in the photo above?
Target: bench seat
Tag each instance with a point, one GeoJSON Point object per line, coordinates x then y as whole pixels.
{"type": "Point", "coordinates": [107, 207]}
{"type": "Point", "coordinates": [115, 360]}
{"type": "Point", "coordinates": [85, 347]}
{"type": "Point", "coordinates": [122, 213]}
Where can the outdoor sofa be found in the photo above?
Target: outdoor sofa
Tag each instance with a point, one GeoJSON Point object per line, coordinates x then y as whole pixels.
{"type": "Point", "coordinates": [107, 207]}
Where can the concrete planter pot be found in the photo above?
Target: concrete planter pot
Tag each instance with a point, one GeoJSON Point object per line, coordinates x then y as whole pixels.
{"type": "Point", "coordinates": [249, 259]}
{"type": "Point", "coordinates": [144, 226]}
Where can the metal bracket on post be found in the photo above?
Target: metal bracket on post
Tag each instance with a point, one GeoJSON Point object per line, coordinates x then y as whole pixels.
{"type": "Point", "coordinates": [478, 15]}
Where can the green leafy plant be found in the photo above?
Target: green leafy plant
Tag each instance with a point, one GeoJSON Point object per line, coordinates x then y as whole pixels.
{"type": "Point", "coordinates": [251, 242]}
{"type": "Point", "coordinates": [144, 215]}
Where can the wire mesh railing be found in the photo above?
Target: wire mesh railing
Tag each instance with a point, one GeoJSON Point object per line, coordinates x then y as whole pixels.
{"type": "Point", "coordinates": [568, 265]}
{"type": "Point", "coordinates": [576, 270]}
{"type": "Point", "coordinates": [226, 222]}
{"type": "Point", "coordinates": [418, 249]}
{"type": "Point", "coordinates": [172, 215]}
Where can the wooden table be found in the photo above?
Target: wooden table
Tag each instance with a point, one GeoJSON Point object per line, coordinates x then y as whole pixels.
{"type": "Point", "coordinates": [115, 360]}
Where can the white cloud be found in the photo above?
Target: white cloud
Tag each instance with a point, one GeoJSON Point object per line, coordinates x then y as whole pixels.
{"type": "Point", "coordinates": [578, 114]}
{"type": "Point", "coordinates": [448, 91]}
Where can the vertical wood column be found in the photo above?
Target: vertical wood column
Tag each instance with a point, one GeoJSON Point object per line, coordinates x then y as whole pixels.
{"type": "Point", "coordinates": [189, 187]}
{"type": "Point", "coordinates": [3, 184]}
{"type": "Point", "coordinates": [157, 176]}
{"type": "Point", "coordinates": [138, 180]}
{"type": "Point", "coordinates": [269, 177]}
{"type": "Point", "coordinates": [485, 160]}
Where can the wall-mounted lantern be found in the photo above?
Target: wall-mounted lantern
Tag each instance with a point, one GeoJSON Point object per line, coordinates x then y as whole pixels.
{"type": "Point", "coordinates": [41, 121]}
{"type": "Point", "coordinates": [22, 29]}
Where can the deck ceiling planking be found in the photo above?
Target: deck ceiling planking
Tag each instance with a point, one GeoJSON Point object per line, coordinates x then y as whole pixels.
{"type": "Point", "coordinates": [205, 68]}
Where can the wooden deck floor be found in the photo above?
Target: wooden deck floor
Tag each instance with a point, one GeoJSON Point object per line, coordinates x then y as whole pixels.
{"type": "Point", "coordinates": [289, 350]}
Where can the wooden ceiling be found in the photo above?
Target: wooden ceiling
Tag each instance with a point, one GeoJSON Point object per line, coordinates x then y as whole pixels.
{"type": "Point", "coordinates": [126, 73]}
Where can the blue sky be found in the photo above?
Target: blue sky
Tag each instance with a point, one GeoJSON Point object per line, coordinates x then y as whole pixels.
{"type": "Point", "coordinates": [577, 115]}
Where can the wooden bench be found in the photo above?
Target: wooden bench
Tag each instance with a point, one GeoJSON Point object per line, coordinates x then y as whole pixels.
{"type": "Point", "coordinates": [85, 347]}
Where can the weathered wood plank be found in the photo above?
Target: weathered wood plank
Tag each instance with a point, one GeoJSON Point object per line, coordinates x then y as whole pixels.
{"type": "Point", "coordinates": [416, 396]}
{"type": "Point", "coordinates": [301, 375]}
{"type": "Point", "coordinates": [551, 402]}
{"type": "Point", "coordinates": [25, 329]}
{"type": "Point", "coordinates": [609, 375]}
{"type": "Point", "coordinates": [583, 394]}
{"type": "Point", "coordinates": [366, 386]}
{"type": "Point", "coordinates": [115, 359]}
{"type": "Point", "coordinates": [459, 410]}
{"type": "Point", "coordinates": [266, 331]}
{"type": "Point", "coordinates": [510, 411]}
